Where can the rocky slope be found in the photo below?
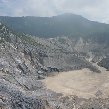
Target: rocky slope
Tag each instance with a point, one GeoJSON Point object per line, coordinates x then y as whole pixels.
{"type": "Point", "coordinates": [15, 76]}
{"type": "Point", "coordinates": [26, 60]}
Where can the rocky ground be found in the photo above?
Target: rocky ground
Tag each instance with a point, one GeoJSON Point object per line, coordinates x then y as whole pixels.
{"type": "Point", "coordinates": [25, 62]}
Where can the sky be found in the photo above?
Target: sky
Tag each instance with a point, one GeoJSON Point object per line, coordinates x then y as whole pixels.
{"type": "Point", "coordinates": [97, 10]}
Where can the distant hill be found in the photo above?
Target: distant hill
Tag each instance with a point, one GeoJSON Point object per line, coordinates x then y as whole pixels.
{"type": "Point", "coordinates": [61, 25]}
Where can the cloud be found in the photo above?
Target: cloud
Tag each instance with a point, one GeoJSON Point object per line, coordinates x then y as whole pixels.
{"type": "Point", "coordinates": [92, 9]}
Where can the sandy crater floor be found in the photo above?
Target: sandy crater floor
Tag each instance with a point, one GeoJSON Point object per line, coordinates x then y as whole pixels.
{"type": "Point", "coordinates": [82, 83]}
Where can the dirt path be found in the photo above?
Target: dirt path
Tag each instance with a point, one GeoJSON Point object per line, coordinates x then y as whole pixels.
{"type": "Point", "coordinates": [82, 83]}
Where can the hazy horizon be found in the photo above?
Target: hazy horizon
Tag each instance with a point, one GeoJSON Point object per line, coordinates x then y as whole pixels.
{"type": "Point", "coordinates": [58, 15]}
{"type": "Point", "coordinates": [95, 11]}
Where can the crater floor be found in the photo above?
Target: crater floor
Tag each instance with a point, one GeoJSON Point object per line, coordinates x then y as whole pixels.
{"type": "Point", "coordinates": [83, 83]}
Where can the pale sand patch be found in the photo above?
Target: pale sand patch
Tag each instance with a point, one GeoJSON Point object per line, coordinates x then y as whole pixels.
{"type": "Point", "coordinates": [82, 83]}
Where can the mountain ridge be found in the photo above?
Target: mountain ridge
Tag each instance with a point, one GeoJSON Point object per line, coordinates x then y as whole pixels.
{"type": "Point", "coordinates": [61, 25]}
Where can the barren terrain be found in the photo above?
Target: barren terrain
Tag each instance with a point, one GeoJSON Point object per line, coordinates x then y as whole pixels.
{"type": "Point", "coordinates": [83, 83]}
